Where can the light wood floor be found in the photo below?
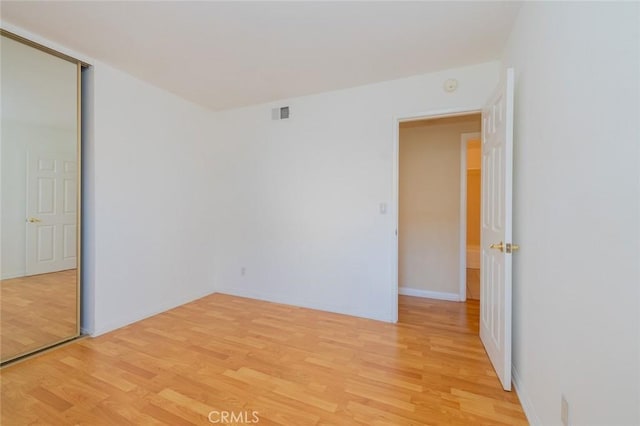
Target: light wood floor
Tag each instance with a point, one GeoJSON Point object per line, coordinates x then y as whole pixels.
{"type": "Point", "coordinates": [37, 310]}
{"type": "Point", "coordinates": [290, 365]}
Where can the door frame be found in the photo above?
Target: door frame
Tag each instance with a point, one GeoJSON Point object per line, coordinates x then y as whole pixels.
{"type": "Point", "coordinates": [441, 113]}
{"type": "Point", "coordinates": [464, 143]}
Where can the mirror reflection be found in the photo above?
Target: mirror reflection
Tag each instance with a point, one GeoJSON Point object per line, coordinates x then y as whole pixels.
{"type": "Point", "coordinates": [39, 199]}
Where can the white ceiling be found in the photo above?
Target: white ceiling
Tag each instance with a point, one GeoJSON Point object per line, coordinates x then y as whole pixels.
{"type": "Point", "coordinates": [228, 54]}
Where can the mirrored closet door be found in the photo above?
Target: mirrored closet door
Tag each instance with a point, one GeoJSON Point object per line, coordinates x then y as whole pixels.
{"type": "Point", "coordinates": [40, 198]}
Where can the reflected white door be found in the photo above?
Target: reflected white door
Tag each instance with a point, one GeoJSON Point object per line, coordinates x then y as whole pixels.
{"type": "Point", "coordinates": [51, 213]}
{"type": "Point", "coordinates": [496, 247]}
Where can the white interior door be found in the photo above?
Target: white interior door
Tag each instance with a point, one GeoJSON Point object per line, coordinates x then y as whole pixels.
{"type": "Point", "coordinates": [51, 213]}
{"type": "Point", "coordinates": [496, 244]}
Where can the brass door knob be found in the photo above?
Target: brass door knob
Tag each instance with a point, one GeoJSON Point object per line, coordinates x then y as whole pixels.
{"type": "Point", "coordinates": [497, 246]}
{"type": "Point", "coordinates": [33, 220]}
{"type": "Point", "coordinates": [508, 248]}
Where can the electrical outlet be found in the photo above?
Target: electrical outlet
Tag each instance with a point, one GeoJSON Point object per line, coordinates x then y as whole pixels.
{"type": "Point", "coordinates": [243, 270]}
{"type": "Point", "coordinates": [564, 411]}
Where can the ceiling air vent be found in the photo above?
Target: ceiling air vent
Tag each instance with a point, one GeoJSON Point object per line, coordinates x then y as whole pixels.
{"type": "Point", "coordinates": [281, 113]}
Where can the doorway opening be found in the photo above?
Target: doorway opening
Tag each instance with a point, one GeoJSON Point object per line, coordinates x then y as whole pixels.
{"type": "Point", "coordinates": [438, 221]}
{"type": "Point", "coordinates": [470, 202]}
{"type": "Point", "coordinates": [496, 221]}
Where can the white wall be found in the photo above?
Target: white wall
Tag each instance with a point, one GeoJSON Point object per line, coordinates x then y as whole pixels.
{"type": "Point", "coordinates": [429, 213]}
{"type": "Point", "coordinates": [576, 205]}
{"type": "Point", "coordinates": [149, 212]}
{"type": "Point", "coordinates": [302, 196]}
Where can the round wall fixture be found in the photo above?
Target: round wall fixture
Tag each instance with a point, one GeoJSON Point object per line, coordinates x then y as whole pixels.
{"type": "Point", "coordinates": [450, 85]}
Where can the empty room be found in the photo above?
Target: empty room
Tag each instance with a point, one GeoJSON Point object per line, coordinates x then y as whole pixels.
{"type": "Point", "coordinates": [314, 213]}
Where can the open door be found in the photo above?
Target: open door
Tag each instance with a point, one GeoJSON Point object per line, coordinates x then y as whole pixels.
{"type": "Point", "coordinates": [495, 241]}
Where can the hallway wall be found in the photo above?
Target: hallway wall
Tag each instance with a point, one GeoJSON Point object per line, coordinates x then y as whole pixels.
{"type": "Point", "coordinates": [429, 215]}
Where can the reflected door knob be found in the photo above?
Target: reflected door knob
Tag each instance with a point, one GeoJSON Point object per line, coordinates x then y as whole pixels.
{"type": "Point", "coordinates": [33, 220]}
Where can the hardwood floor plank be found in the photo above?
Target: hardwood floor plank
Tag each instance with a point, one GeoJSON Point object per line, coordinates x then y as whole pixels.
{"type": "Point", "coordinates": [49, 398]}
{"type": "Point", "coordinates": [283, 414]}
{"type": "Point", "coordinates": [292, 366]}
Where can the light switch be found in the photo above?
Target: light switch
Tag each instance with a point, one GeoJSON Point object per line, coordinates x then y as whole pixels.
{"type": "Point", "coordinates": [383, 208]}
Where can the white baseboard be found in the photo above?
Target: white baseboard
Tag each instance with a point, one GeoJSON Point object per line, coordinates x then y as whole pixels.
{"type": "Point", "coordinates": [407, 291]}
{"type": "Point", "coordinates": [525, 401]}
{"type": "Point", "coordinates": [302, 302]}
{"type": "Point", "coordinates": [139, 316]}
{"type": "Point", "coordinates": [14, 274]}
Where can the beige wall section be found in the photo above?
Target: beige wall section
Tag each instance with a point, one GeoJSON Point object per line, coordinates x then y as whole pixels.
{"type": "Point", "coordinates": [429, 216]}
{"type": "Point", "coordinates": [474, 158]}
